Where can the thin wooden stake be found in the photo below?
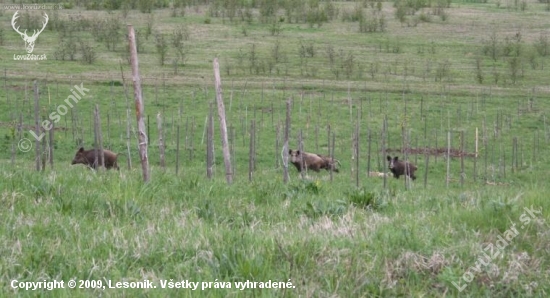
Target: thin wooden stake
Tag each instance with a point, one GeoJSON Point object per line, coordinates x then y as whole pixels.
{"type": "Point", "coordinates": [277, 136]}
{"type": "Point", "coordinates": [427, 157]}
{"type": "Point", "coordinates": [161, 141]}
{"type": "Point", "coordinates": [209, 145]}
{"type": "Point", "coordinates": [304, 168]}
{"type": "Point", "coordinates": [100, 163]}
{"type": "Point", "coordinates": [177, 148]}
{"type": "Point", "coordinates": [369, 138]}
{"type": "Point", "coordinates": [332, 155]}
{"type": "Point", "coordinates": [383, 137]}
{"type": "Point", "coordinates": [357, 155]}
{"type": "Point", "coordinates": [285, 146]}
{"type": "Point", "coordinates": [37, 125]}
{"type": "Point", "coordinates": [462, 174]}
{"type": "Point", "coordinates": [448, 158]}
{"type": "Point", "coordinates": [128, 159]}
{"type": "Point", "coordinates": [50, 142]}
{"type": "Point", "coordinates": [252, 150]}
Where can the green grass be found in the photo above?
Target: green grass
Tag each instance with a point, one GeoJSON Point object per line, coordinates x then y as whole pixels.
{"type": "Point", "coordinates": [316, 233]}
{"type": "Point", "coordinates": [329, 238]}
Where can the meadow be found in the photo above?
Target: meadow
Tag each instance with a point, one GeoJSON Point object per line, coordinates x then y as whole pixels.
{"type": "Point", "coordinates": [460, 89]}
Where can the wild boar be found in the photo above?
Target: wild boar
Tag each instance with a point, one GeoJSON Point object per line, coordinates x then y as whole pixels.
{"type": "Point", "coordinates": [312, 161]}
{"type": "Point", "coordinates": [398, 168]}
{"type": "Point", "coordinates": [87, 157]}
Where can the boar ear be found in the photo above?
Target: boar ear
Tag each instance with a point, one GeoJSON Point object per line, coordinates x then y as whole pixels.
{"type": "Point", "coordinates": [81, 149]}
{"type": "Point", "coordinates": [395, 158]}
{"type": "Point", "coordinates": [388, 157]}
{"type": "Point", "coordinates": [297, 152]}
{"type": "Point", "coordinates": [290, 151]}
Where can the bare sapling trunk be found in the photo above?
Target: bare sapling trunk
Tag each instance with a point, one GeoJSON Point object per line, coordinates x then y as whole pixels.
{"type": "Point", "coordinates": [142, 137]}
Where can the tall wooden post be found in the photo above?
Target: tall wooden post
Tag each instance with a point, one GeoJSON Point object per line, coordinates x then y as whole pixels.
{"type": "Point", "coordinates": [223, 125]}
{"type": "Point", "coordinates": [142, 137]}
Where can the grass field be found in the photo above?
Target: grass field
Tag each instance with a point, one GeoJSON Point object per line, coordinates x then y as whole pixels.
{"type": "Point", "coordinates": [472, 74]}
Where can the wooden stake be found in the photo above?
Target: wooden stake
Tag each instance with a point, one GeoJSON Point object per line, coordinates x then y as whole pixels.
{"type": "Point", "coordinates": [142, 137]}
{"type": "Point", "coordinates": [177, 148]}
{"type": "Point", "coordinates": [161, 141]}
{"type": "Point", "coordinates": [128, 159]}
{"type": "Point", "coordinates": [285, 146]}
{"type": "Point", "coordinates": [462, 174]}
{"type": "Point", "coordinates": [252, 150]}
{"type": "Point", "coordinates": [448, 157]}
{"type": "Point", "coordinates": [209, 144]}
{"type": "Point", "coordinates": [223, 125]}
{"type": "Point", "coordinates": [100, 155]}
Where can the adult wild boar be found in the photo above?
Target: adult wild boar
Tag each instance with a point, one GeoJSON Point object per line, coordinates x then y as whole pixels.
{"type": "Point", "coordinates": [312, 161]}
{"type": "Point", "coordinates": [87, 157]}
{"type": "Point", "coordinates": [398, 168]}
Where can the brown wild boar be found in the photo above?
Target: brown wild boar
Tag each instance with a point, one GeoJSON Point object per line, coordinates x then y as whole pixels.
{"type": "Point", "coordinates": [87, 157]}
{"type": "Point", "coordinates": [398, 168]}
{"type": "Point", "coordinates": [312, 161]}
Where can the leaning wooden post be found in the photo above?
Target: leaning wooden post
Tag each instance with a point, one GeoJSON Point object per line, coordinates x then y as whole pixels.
{"type": "Point", "coordinates": [223, 125]}
{"type": "Point", "coordinates": [142, 137]}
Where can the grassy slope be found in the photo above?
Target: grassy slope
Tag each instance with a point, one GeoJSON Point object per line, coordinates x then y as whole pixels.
{"type": "Point", "coordinates": [329, 238]}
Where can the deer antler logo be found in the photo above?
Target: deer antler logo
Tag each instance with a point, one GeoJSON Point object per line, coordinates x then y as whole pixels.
{"type": "Point", "coordinates": [29, 41]}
